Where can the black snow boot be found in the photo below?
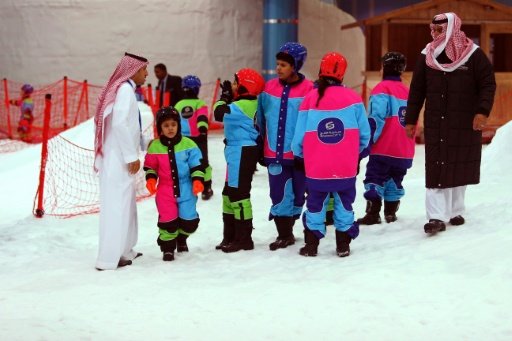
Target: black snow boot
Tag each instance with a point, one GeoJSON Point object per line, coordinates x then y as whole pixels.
{"type": "Point", "coordinates": [390, 208]}
{"type": "Point", "coordinates": [229, 231]}
{"type": "Point", "coordinates": [243, 239]}
{"type": "Point", "coordinates": [311, 247]}
{"type": "Point", "coordinates": [167, 247]}
{"type": "Point", "coordinates": [458, 220]}
{"type": "Point", "coordinates": [372, 213]}
{"type": "Point", "coordinates": [434, 225]}
{"type": "Point", "coordinates": [181, 243]}
{"type": "Point", "coordinates": [207, 192]}
{"type": "Point", "coordinates": [342, 244]}
{"type": "Point", "coordinates": [285, 235]}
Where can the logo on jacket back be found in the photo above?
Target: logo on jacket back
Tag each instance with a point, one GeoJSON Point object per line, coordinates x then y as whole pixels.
{"type": "Point", "coordinates": [401, 115]}
{"type": "Point", "coordinates": [330, 130]}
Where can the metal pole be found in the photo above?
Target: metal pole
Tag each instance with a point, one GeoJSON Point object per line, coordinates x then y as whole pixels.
{"type": "Point", "coordinates": [280, 25]}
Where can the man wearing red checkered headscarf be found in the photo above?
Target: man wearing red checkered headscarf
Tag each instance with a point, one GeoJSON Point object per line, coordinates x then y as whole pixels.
{"type": "Point", "coordinates": [117, 146]}
{"type": "Point", "coordinates": [455, 80]}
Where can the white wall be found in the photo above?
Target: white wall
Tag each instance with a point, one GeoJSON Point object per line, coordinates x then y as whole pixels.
{"type": "Point", "coordinates": [41, 41]}
{"type": "Point", "coordinates": [319, 31]}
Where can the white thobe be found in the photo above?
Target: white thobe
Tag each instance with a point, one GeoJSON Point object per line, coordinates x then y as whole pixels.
{"type": "Point", "coordinates": [445, 203]}
{"type": "Point", "coordinates": [118, 211]}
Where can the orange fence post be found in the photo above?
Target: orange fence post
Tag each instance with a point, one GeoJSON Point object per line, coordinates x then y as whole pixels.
{"type": "Point", "coordinates": [86, 85]}
{"type": "Point", "coordinates": [39, 212]}
{"type": "Point", "coordinates": [214, 125]}
{"type": "Point", "coordinates": [215, 93]}
{"type": "Point", "coordinates": [150, 97]}
{"type": "Point", "coordinates": [82, 95]}
{"type": "Point", "coordinates": [363, 92]}
{"type": "Point", "coordinates": [7, 111]}
{"type": "Point", "coordinates": [65, 100]}
{"type": "Point", "coordinates": [157, 101]}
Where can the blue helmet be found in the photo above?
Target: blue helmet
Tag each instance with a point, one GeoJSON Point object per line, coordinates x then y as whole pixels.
{"type": "Point", "coordinates": [191, 82]}
{"type": "Point", "coordinates": [27, 88]}
{"type": "Point", "coordinates": [293, 52]}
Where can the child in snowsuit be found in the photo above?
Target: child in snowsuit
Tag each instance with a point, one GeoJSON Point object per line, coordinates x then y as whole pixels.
{"type": "Point", "coordinates": [278, 107]}
{"type": "Point", "coordinates": [391, 151]}
{"type": "Point", "coordinates": [26, 104]}
{"type": "Point", "coordinates": [175, 161]}
{"type": "Point", "coordinates": [194, 124]}
{"type": "Point", "coordinates": [237, 109]}
{"type": "Point", "coordinates": [332, 131]}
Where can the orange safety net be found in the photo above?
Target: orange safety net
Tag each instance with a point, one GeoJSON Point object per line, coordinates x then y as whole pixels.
{"type": "Point", "coordinates": [73, 102]}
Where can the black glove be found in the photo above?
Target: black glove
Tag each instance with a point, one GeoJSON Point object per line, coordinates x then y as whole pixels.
{"type": "Point", "coordinates": [298, 163]}
{"type": "Point", "coordinates": [202, 138]}
{"type": "Point", "coordinates": [227, 93]}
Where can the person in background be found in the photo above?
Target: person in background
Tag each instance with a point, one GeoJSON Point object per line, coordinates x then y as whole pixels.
{"type": "Point", "coordinates": [26, 104]}
{"type": "Point", "coordinates": [116, 146]}
{"type": "Point", "coordinates": [175, 162]}
{"type": "Point", "coordinates": [391, 150]}
{"type": "Point", "coordinates": [194, 124]}
{"type": "Point", "coordinates": [332, 122]}
{"type": "Point", "coordinates": [278, 107]}
{"type": "Point", "coordinates": [237, 110]}
{"type": "Point", "coordinates": [167, 84]}
{"type": "Point", "coordinates": [455, 79]}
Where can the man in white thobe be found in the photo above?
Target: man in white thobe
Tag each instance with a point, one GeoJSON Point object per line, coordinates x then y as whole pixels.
{"type": "Point", "coordinates": [117, 146]}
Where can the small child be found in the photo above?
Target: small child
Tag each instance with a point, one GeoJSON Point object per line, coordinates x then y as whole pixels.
{"type": "Point", "coordinates": [194, 124]}
{"type": "Point", "coordinates": [237, 109]}
{"type": "Point", "coordinates": [332, 131]}
{"type": "Point", "coordinates": [26, 104]}
{"type": "Point", "coordinates": [175, 161]}
{"type": "Point", "coordinates": [391, 151]}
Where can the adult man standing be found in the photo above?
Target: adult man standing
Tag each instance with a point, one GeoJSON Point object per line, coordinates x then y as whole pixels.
{"type": "Point", "coordinates": [167, 84]}
{"type": "Point", "coordinates": [457, 80]}
{"type": "Point", "coordinates": [117, 146]}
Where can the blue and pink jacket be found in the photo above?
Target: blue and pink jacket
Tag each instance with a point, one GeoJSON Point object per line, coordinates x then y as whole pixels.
{"type": "Point", "coordinates": [330, 138]}
{"type": "Point", "coordinates": [386, 113]}
{"type": "Point", "coordinates": [278, 107]}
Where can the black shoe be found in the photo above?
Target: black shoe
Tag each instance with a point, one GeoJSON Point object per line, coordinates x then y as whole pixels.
{"type": "Point", "coordinates": [124, 262]}
{"type": "Point", "coordinates": [434, 226]}
{"type": "Point", "coordinates": [282, 243]}
{"type": "Point", "coordinates": [370, 219]}
{"type": "Point", "coordinates": [308, 251]}
{"type": "Point", "coordinates": [207, 194]}
{"type": "Point", "coordinates": [237, 246]}
{"type": "Point", "coordinates": [372, 213]}
{"type": "Point", "coordinates": [168, 256]}
{"type": "Point", "coordinates": [181, 243]}
{"type": "Point", "coordinates": [139, 254]}
{"type": "Point", "coordinates": [342, 244]}
{"type": "Point", "coordinates": [390, 208]}
{"type": "Point", "coordinates": [390, 218]}
{"type": "Point", "coordinates": [458, 220]}
{"type": "Point", "coordinates": [222, 245]}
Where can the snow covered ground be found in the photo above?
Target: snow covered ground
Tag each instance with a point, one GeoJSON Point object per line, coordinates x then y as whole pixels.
{"type": "Point", "coordinates": [398, 283]}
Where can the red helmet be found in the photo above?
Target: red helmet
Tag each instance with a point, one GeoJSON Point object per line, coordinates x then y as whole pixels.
{"type": "Point", "coordinates": [251, 80]}
{"type": "Point", "coordinates": [333, 65]}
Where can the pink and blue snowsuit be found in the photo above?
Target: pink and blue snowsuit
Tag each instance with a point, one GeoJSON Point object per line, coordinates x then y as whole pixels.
{"type": "Point", "coordinates": [278, 107]}
{"type": "Point", "coordinates": [392, 151]}
{"type": "Point", "coordinates": [175, 163]}
{"type": "Point", "coordinates": [330, 137]}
